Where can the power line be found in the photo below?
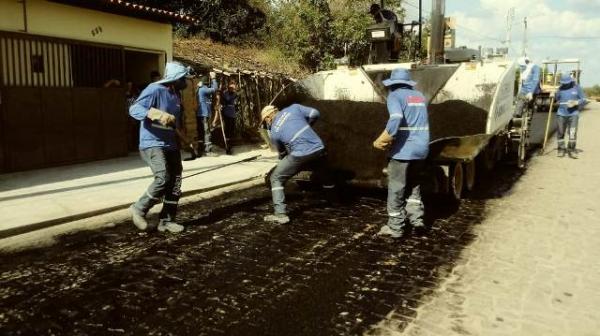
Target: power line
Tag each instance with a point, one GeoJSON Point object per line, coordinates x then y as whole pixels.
{"type": "Point", "coordinates": [559, 37]}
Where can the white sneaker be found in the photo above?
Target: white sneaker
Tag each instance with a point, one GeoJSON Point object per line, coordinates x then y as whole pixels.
{"type": "Point", "coordinates": [277, 218]}
{"type": "Point", "coordinates": [165, 225]}
{"type": "Point", "coordinates": [138, 218]}
{"type": "Point", "coordinates": [388, 231]}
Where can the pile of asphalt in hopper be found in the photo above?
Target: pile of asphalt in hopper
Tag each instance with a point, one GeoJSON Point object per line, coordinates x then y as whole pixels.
{"type": "Point", "coordinates": [455, 118]}
{"type": "Point", "coordinates": [349, 128]}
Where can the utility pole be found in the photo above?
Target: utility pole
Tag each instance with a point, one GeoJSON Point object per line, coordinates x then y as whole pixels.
{"type": "Point", "coordinates": [524, 51]}
{"type": "Point", "coordinates": [510, 15]}
{"type": "Point", "coordinates": [420, 27]}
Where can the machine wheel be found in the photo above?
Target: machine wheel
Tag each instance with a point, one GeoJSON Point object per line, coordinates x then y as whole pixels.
{"type": "Point", "coordinates": [523, 139]}
{"type": "Point", "coordinates": [469, 169]}
{"type": "Point", "coordinates": [456, 180]}
{"type": "Point", "coordinates": [521, 155]}
{"type": "Point", "coordinates": [488, 157]}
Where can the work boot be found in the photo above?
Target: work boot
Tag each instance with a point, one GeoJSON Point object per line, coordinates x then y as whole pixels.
{"type": "Point", "coordinates": [388, 231]}
{"type": "Point", "coordinates": [572, 154]}
{"type": "Point", "coordinates": [211, 154]}
{"type": "Point", "coordinates": [277, 218]}
{"type": "Point", "coordinates": [191, 158]}
{"type": "Point", "coordinates": [138, 218]}
{"type": "Point", "coordinates": [167, 225]}
{"type": "Point", "coordinates": [561, 152]}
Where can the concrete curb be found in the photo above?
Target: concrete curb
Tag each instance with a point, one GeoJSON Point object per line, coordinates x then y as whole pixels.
{"type": "Point", "coordinates": [45, 233]}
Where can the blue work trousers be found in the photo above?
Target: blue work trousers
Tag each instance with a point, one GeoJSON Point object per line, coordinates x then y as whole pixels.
{"type": "Point", "coordinates": [166, 187]}
{"type": "Point", "coordinates": [404, 203]}
{"type": "Point", "coordinates": [292, 165]}
{"type": "Point", "coordinates": [568, 125]}
{"type": "Point", "coordinates": [203, 128]}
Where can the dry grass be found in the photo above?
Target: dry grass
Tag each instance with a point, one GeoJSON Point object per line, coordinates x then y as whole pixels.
{"type": "Point", "coordinates": [205, 53]}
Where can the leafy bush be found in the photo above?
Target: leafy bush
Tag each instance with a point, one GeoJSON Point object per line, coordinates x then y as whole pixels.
{"type": "Point", "coordinates": [593, 91]}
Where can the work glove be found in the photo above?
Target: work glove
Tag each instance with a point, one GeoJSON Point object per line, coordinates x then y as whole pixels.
{"type": "Point", "coordinates": [384, 141]}
{"type": "Point", "coordinates": [212, 74]}
{"type": "Point", "coordinates": [572, 103]}
{"type": "Point", "coordinates": [163, 118]}
{"type": "Point", "coordinates": [529, 96]}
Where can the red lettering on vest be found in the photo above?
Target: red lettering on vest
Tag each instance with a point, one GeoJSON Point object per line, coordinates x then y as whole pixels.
{"type": "Point", "coordinates": [415, 99]}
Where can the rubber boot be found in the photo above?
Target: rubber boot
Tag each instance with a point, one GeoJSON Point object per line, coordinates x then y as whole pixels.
{"type": "Point", "coordinates": [572, 151]}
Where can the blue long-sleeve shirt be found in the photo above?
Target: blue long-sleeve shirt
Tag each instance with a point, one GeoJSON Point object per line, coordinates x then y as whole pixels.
{"type": "Point", "coordinates": [566, 93]}
{"type": "Point", "coordinates": [530, 80]}
{"type": "Point", "coordinates": [408, 124]}
{"type": "Point", "coordinates": [228, 101]}
{"type": "Point", "coordinates": [291, 131]}
{"type": "Point", "coordinates": [205, 94]}
{"type": "Point", "coordinates": [153, 134]}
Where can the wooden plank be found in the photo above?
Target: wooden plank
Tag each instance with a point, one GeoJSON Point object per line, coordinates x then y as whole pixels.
{"type": "Point", "coordinates": [87, 123]}
{"type": "Point", "coordinates": [46, 75]}
{"type": "Point", "coordinates": [61, 66]}
{"type": "Point", "coordinates": [23, 131]}
{"type": "Point", "coordinates": [52, 67]}
{"type": "Point", "coordinates": [27, 60]}
{"type": "Point", "coordinates": [15, 64]}
{"type": "Point", "coordinates": [57, 116]}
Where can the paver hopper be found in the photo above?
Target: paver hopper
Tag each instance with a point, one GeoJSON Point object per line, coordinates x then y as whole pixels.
{"type": "Point", "coordinates": [470, 108]}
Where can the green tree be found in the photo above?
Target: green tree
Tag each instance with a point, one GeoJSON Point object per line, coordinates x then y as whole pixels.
{"type": "Point", "coordinates": [222, 20]}
{"type": "Point", "coordinates": [301, 29]}
{"type": "Point", "coordinates": [315, 32]}
{"type": "Point", "coordinates": [593, 91]}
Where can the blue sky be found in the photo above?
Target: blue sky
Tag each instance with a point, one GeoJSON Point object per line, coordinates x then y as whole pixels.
{"type": "Point", "coordinates": [556, 29]}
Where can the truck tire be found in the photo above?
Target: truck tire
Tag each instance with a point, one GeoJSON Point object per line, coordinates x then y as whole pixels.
{"type": "Point", "coordinates": [455, 181]}
{"type": "Point", "coordinates": [487, 158]}
{"type": "Point", "coordinates": [469, 169]}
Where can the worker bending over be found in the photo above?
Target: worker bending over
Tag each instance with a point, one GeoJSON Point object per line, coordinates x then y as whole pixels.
{"type": "Point", "coordinates": [529, 85]}
{"type": "Point", "coordinates": [299, 147]}
{"type": "Point", "coordinates": [570, 99]}
{"type": "Point", "coordinates": [406, 137]}
{"type": "Point", "coordinates": [159, 110]}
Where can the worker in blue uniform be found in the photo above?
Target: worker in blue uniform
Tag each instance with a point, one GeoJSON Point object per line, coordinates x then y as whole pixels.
{"type": "Point", "coordinates": [204, 113]}
{"type": "Point", "coordinates": [228, 98]}
{"type": "Point", "coordinates": [299, 147]}
{"type": "Point", "coordinates": [406, 137]}
{"type": "Point", "coordinates": [158, 108]}
{"type": "Point", "coordinates": [570, 99]}
{"type": "Point", "coordinates": [529, 85]}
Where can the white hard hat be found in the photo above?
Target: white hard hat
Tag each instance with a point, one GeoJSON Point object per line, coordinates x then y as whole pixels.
{"type": "Point", "coordinates": [267, 111]}
{"type": "Point", "coordinates": [523, 60]}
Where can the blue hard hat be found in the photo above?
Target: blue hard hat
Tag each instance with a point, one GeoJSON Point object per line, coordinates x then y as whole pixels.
{"type": "Point", "coordinates": [399, 76]}
{"type": "Point", "coordinates": [566, 79]}
{"type": "Point", "coordinates": [173, 72]}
